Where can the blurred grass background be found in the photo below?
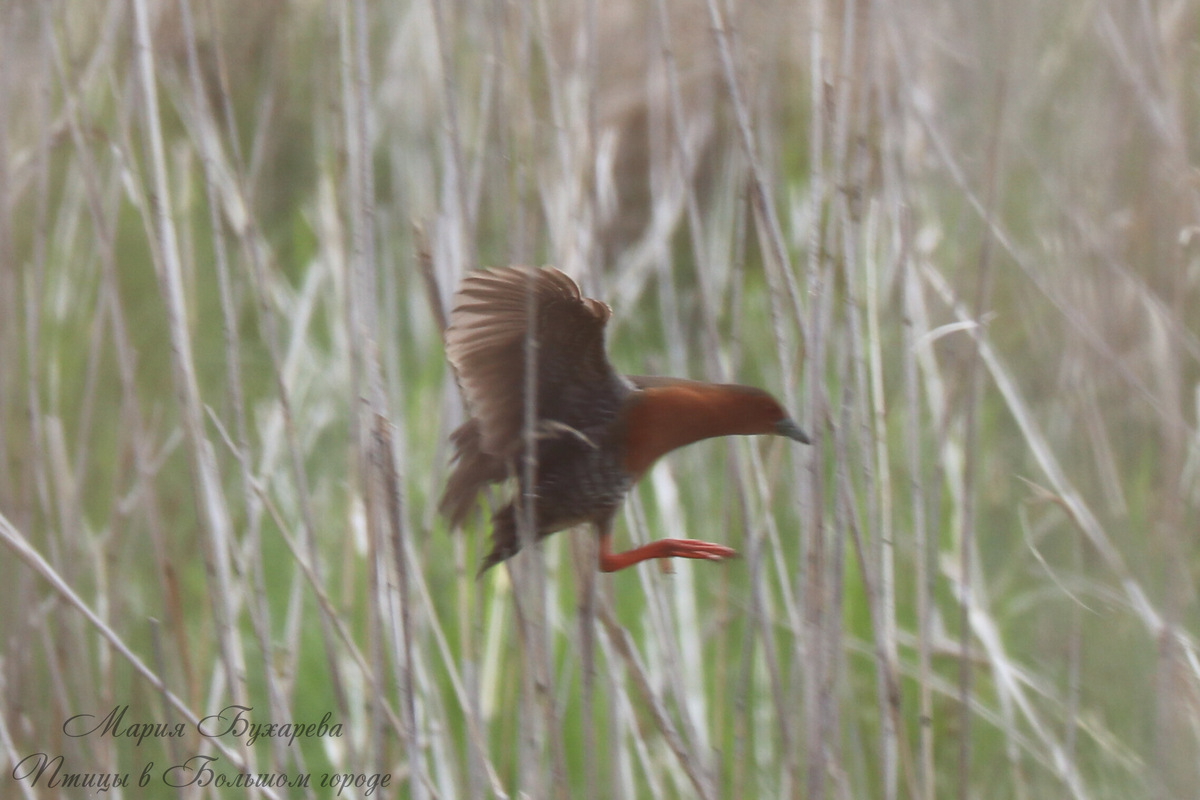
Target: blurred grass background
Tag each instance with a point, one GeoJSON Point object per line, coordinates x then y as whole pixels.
{"type": "Point", "coordinates": [962, 241]}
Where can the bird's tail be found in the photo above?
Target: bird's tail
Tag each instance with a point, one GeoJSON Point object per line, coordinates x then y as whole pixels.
{"type": "Point", "coordinates": [473, 469]}
{"type": "Point", "coordinates": [505, 542]}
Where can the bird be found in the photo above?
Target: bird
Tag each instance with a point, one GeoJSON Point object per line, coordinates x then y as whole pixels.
{"type": "Point", "coordinates": [594, 432]}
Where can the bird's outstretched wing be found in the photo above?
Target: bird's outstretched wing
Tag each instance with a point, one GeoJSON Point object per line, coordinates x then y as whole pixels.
{"type": "Point", "coordinates": [485, 343]}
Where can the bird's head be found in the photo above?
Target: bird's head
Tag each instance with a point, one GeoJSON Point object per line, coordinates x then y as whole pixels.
{"type": "Point", "coordinates": [763, 415]}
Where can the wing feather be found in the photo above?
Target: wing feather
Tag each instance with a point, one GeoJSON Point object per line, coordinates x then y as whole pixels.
{"type": "Point", "coordinates": [485, 343]}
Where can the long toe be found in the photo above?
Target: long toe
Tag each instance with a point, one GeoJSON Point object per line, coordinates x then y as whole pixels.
{"type": "Point", "coordinates": [694, 548]}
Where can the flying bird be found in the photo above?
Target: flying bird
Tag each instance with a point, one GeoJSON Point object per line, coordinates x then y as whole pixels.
{"type": "Point", "coordinates": [595, 432]}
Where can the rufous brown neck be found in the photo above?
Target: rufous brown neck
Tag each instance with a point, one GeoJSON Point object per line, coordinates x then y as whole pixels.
{"type": "Point", "coordinates": [670, 414]}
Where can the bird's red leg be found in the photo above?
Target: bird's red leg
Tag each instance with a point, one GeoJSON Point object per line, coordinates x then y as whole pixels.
{"type": "Point", "coordinates": [663, 548]}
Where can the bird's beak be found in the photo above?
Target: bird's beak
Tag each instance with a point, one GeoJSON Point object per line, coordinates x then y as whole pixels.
{"type": "Point", "coordinates": [785, 427]}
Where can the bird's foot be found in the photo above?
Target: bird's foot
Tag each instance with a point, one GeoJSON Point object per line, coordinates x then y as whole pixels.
{"type": "Point", "coordinates": [663, 549]}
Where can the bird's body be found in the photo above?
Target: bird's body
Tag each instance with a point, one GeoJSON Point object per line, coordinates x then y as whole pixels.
{"type": "Point", "coordinates": [595, 432]}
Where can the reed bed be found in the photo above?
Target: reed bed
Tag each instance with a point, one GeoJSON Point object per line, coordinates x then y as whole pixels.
{"type": "Point", "coordinates": [960, 241]}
